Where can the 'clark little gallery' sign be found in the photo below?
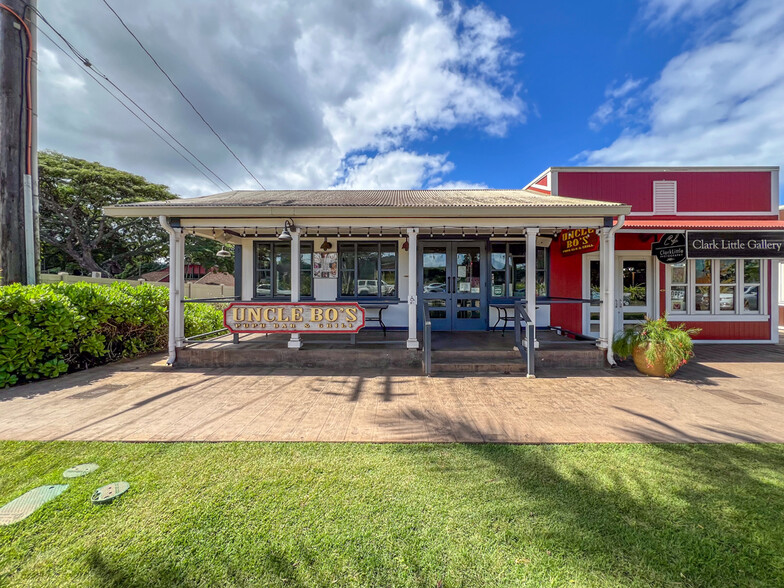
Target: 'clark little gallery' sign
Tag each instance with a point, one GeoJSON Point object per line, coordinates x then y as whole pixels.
{"type": "Point", "coordinates": [294, 317]}
{"type": "Point", "coordinates": [578, 241]}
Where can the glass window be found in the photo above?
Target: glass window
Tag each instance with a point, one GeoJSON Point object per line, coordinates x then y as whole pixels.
{"type": "Point", "coordinates": [507, 270]}
{"type": "Point", "coordinates": [273, 269]}
{"type": "Point", "coordinates": [368, 269]}
{"type": "Point", "coordinates": [751, 285]}
{"type": "Point", "coordinates": [716, 286]}
{"type": "Point", "coordinates": [678, 287]}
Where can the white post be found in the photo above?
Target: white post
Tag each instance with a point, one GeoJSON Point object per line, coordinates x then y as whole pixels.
{"type": "Point", "coordinates": [295, 342]}
{"type": "Point", "coordinates": [774, 300]}
{"type": "Point", "coordinates": [179, 286]}
{"type": "Point", "coordinates": [412, 342]}
{"type": "Point", "coordinates": [606, 306]}
{"type": "Point", "coordinates": [530, 275]}
{"type": "Point", "coordinates": [248, 286]}
{"type": "Point", "coordinates": [172, 293]}
{"type": "Point", "coordinates": [610, 292]}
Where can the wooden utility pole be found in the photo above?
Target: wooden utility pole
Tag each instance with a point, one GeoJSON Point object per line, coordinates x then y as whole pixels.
{"type": "Point", "coordinates": [18, 160]}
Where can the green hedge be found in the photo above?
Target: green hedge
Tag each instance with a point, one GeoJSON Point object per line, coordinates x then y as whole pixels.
{"type": "Point", "coordinates": [50, 329]}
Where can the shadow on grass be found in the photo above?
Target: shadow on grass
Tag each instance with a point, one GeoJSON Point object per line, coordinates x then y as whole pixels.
{"type": "Point", "coordinates": [700, 518]}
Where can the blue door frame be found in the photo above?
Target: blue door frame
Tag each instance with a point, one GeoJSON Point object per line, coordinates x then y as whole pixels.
{"type": "Point", "coordinates": [452, 281]}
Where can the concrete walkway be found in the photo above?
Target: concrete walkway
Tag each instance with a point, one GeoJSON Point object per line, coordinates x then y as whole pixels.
{"type": "Point", "coordinates": [731, 394]}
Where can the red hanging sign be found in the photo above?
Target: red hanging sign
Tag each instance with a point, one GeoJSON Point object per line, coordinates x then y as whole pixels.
{"type": "Point", "coordinates": [578, 241]}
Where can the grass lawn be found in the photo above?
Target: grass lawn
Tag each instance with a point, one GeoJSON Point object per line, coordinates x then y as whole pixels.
{"type": "Point", "coordinates": [399, 515]}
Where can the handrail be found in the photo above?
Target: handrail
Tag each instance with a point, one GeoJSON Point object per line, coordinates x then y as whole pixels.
{"type": "Point", "coordinates": [219, 299]}
{"type": "Point", "coordinates": [427, 356]}
{"type": "Point", "coordinates": [530, 338]}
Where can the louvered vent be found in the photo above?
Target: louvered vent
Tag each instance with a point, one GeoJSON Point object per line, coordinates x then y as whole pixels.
{"type": "Point", "coordinates": [665, 197]}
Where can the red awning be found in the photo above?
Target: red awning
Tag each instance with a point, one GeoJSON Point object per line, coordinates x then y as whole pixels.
{"type": "Point", "coordinates": [699, 224]}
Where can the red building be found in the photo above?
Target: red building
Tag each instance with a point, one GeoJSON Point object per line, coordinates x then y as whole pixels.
{"type": "Point", "coordinates": [731, 294]}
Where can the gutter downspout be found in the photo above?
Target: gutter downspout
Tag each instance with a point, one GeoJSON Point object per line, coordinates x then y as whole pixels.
{"type": "Point", "coordinates": [611, 287]}
{"type": "Point", "coordinates": [172, 285]}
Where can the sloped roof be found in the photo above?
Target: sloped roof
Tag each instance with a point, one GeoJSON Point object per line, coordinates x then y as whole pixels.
{"type": "Point", "coordinates": [366, 200]}
{"type": "Point", "coordinates": [216, 278]}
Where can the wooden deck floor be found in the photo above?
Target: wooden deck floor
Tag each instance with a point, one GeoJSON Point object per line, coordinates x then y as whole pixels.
{"type": "Point", "coordinates": [733, 393]}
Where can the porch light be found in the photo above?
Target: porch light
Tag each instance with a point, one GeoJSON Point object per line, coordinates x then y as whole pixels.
{"type": "Point", "coordinates": [223, 252]}
{"type": "Point", "coordinates": [405, 244]}
{"type": "Point", "coordinates": [285, 235]}
{"type": "Point", "coordinates": [462, 231]}
{"type": "Point", "coordinates": [326, 245]}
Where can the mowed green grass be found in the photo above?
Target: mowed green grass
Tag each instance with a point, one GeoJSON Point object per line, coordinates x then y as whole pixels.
{"type": "Point", "coordinates": [399, 515]}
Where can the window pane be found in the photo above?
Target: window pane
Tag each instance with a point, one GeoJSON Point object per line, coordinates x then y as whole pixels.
{"type": "Point", "coordinates": [751, 271]}
{"type": "Point", "coordinates": [751, 299]}
{"type": "Point", "coordinates": [702, 298]}
{"type": "Point", "coordinates": [595, 280]}
{"type": "Point", "coordinates": [306, 269]}
{"type": "Point", "coordinates": [347, 283]}
{"type": "Point", "coordinates": [367, 270]}
{"type": "Point", "coordinates": [541, 282]}
{"type": "Point", "coordinates": [702, 271]}
{"type": "Point", "coordinates": [635, 291]}
{"type": "Point", "coordinates": [518, 277]}
{"type": "Point", "coordinates": [263, 273]}
{"type": "Point", "coordinates": [437, 308]}
{"type": "Point", "coordinates": [388, 283]}
{"type": "Point", "coordinates": [678, 299]}
{"type": "Point", "coordinates": [388, 254]}
{"type": "Point", "coordinates": [282, 270]}
{"type": "Point", "coordinates": [540, 258]}
{"type": "Point", "coordinates": [727, 271]}
{"type": "Point", "coordinates": [434, 269]}
{"type": "Point", "coordinates": [678, 275]}
{"type": "Point", "coordinates": [498, 270]}
{"type": "Point", "coordinates": [727, 298]}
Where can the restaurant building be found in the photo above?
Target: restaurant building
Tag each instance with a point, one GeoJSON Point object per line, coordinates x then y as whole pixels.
{"type": "Point", "coordinates": [588, 251]}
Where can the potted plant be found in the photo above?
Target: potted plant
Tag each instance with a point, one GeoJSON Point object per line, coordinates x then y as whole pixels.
{"type": "Point", "coordinates": [658, 348]}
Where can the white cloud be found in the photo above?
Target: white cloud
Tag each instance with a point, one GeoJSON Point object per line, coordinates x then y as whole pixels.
{"type": "Point", "coordinates": [298, 89]}
{"type": "Point", "coordinates": [397, 169]}
{"type": "Point", "coordinates": [660, 12]}
{"type": "Point", "coordinates": [618, 104]}
{"type": "Point", "coordinates": [716, 104]}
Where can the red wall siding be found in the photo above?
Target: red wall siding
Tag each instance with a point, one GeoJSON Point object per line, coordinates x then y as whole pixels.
{"type": "Point", "coordinates": [542, 181]}
{"type": "Point", "coordinates": [759, 331]}
{"type": "Point", "coordinates": [566, 279]}
{"type": "Point", "coordinates": [697, 191]}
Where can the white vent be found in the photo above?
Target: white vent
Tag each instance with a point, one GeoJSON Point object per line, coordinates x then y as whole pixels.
{"type": "Point", "coordinates": [665, 197]}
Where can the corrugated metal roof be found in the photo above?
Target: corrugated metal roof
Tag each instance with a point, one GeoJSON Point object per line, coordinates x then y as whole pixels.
{"type": "Point", "coordinates": [377, 198]}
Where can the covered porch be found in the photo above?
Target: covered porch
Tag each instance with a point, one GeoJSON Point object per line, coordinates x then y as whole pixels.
{"type": "Point", "coordinates": [418, 257]}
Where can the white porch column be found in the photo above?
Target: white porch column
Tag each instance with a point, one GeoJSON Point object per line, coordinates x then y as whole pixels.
{"type": "Point", "coordinates": [530, 275]}
{"type": "Point", "coordinates": [248, 265]}
{"type": "Point", "coordinates": [607, 308]}
{"type": "Point", "coordinates": [295, 342]}
{"type": "Point", "coordinates": [412, 342]}
{"type": "Point", "coordinates": [177, 275]}
{"type": "Point", "coordinates": [775, 294]}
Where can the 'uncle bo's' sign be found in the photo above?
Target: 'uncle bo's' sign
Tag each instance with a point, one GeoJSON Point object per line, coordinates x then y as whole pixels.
{"type": "Point", "coordinates": [293, 317]}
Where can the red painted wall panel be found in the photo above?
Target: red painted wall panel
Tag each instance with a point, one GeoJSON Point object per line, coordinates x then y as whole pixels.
{"type": "Point", "coordinates": [697, 191]}
{"type": "Point", "coordinates": [542, 181]}
{"type": "Point", "coordinates": [566, 280]}
{"type": "Point", "coordinates": [758, 331]}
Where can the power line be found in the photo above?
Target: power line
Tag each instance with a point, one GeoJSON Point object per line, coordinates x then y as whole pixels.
{"type": "Point", "coordinates": [214, 132]}
{"type": "Point", "coordinates": [128, 108]}
{"type": "Point", "coordinates": [87, 65]}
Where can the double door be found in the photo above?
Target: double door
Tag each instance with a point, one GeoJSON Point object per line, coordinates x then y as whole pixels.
{"type": "Point", "coordinates": [633, 291]}
{"type": "Point", "coordinates": [452, 284]}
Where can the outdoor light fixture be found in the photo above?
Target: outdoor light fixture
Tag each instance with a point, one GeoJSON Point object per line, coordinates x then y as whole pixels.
{"type": "Point", "coordinates": [337, 229]}
{"type": "Point", "coordinates": [405, 244]}
{"type": "Point", "coordinates": [492, 232]}
{"type": "Point", "coordinates": [367, 235]}
{"type": "Point", "coordinates": [285, 235]}
{"type": "Point", "coordinates": [223, 252]}
{"type": "Point", "coordinates": [462, 231]}
{"type": "Point", "coordinates": [431, 232]}
{"type": "Point", "coordinates": [400, 233]}
{"type": "Point", "coordinates": [506, 232]}
{"type": "Point", "coordinates": [326, 245]}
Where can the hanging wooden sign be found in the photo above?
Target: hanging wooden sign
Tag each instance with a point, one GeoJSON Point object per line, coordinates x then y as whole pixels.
{"type": "Point", "coordinates": [671, 248]}
{"type": "Point", "coordinates": [294, 317]}
{"type": "Point", "coordinates": [578, 241]}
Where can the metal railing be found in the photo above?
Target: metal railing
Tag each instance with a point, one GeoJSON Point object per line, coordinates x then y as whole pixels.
{"type": "Point", "coordinates": [427, 356]}
{"type": "Point", "coordinates": [195, 339]}
{"type": "Point", "coordinates": [520, 316]}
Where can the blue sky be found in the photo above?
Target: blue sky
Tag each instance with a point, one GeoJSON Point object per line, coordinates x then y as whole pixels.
{"type": "Point", "coordinates": [417, 93]}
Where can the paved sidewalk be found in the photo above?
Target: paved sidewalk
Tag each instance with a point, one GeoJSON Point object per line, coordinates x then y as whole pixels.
{"type": "Point", "coordinates": [733, 393]}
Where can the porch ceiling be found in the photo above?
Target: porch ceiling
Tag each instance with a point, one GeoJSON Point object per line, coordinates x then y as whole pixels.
{"type": "Point", "coordinates": [372, 203]}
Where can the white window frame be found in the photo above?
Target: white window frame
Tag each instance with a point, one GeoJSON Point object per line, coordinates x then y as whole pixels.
{"type": "Point", "coordinates": [716, 314]}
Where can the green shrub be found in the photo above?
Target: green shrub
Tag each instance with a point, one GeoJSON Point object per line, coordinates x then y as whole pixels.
{"type": "Point", "coordinates": [49, 329]}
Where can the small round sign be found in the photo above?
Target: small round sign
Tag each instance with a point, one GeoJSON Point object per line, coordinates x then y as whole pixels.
{"type": "Point", "coordinates": [105, 494]}
{"type": "Point", "coordinates": [81, 470]}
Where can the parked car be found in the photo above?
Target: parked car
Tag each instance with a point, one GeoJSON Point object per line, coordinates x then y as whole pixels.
{"type": "Point", "coordinates": [435, 287]}
{"type": "Point", "coordinates": [370, 288]}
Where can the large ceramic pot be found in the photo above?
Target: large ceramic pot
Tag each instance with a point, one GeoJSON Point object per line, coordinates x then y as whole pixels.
{"type": "Point", "coordinates": [657, 369]}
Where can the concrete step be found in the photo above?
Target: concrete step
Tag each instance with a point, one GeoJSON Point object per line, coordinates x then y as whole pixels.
{"type": "Point", "coordinates": [476, 355]}
{"type": "Point", "coordinates": [473, 368]}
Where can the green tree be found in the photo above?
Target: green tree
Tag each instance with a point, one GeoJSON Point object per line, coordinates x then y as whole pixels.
{"type": "Point", "coordinates": [77, 237]}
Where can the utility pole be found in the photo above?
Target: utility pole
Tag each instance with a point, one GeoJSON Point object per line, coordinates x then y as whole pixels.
{"type": "Point", "coordinates": [18, 158]}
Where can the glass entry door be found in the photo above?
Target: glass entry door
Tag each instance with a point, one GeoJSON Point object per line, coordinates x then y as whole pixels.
{"type": "Point", "coordinates": [633, 290]}
{"type": "Point", "coordinates": [452, 279]}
